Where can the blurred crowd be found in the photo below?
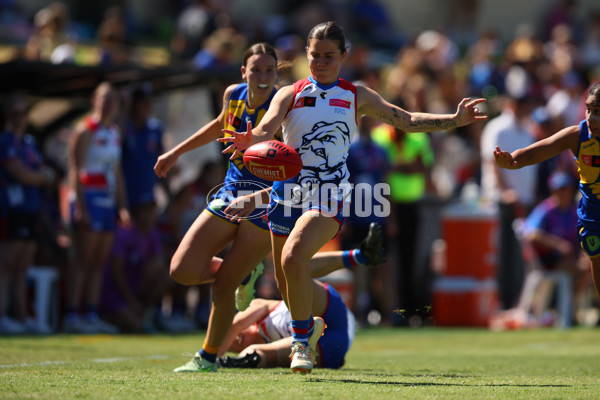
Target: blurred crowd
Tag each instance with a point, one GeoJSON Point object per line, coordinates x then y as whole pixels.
{"type": "Point", "coordinates": [118, 281]}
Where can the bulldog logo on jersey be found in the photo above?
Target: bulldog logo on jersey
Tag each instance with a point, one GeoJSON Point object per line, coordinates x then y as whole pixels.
{"type": "Point", "coordinates": [316, 153]}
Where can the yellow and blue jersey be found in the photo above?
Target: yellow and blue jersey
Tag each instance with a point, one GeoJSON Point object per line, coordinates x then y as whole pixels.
{"type": "Point", "coordinates": [239, 180]}
{"type": "Point", "coordinates": [588, 209]}
{"type": "Point", "coordinates": [588, 166]}
{"type": "Point", "coordinates": [237, 115]}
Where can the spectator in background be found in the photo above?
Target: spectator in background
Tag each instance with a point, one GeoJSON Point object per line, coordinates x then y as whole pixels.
{"type": "Point", "coordinates": [553, 256]}
{"type": "Point", "coordinates": [410, 157]}
{"type": "Point", "coordinates": [551, 229]}
{"type": "Point", "coordinates": [368, 165]}
{"type": "Point", "coordinates": [136, 274]}
{"type": "Point", "coordinates": [514, 192]}
{"type": "Point", "coordinates": [142, 144]}
{"type": "Point", "coordinates": [590, 49]}
{"type": "Point", "coordinates": [98, 200]}
{"type": "Point", "coordinates": [564, 105]}
{"type": "Point", "coordinates": [22, 174]}
{"type": "Point", "coordinates": [221, 49]}
{"type": "Point", "coordinates": [542, 127]}
{"type": "Point", "coordinates": [194, 24]}
{"type": "Point", "coordinates": [50, 41]}
{"type": "Point", "coordinates": [113, 38]}
{"type": "Point", "coordinates": [561, 52]}
{"type": "Point", "coordinates": [373, 24]}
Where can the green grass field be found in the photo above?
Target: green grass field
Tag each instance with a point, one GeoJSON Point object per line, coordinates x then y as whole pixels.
{"type": "Point", "coordinates": [428, 363]}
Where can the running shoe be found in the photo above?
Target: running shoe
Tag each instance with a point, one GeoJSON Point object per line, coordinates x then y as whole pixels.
{"type": "Point", "coordinates": [301, 360]}
{"type": "Point", "coordinates": [372, 246]}
{"type": "Point", "coordinates": [197, 364]}
{"type": "Point", "coordinates": [245, 293]}
{"type": "Point", "coordinates": [318, 330]}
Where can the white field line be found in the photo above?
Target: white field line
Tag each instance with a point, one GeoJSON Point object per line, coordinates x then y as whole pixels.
{"type": "Point", "coordinates": [96, 360]}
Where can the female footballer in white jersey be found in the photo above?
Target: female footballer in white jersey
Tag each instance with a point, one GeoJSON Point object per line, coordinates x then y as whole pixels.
{"type": "Point", "coordinates": [318, 116]}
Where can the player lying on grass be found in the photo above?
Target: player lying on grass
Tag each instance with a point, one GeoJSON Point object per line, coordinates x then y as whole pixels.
{"type": "Point", "coordinates": [262, 334]}
{"type": "Point", "coordinates": [274, 318]}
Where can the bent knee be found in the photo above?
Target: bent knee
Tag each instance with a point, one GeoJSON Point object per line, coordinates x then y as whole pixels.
{"type": "Point", "coordinates": [293, 262]}
{"type": "Point", "coordinates": [185, 273]}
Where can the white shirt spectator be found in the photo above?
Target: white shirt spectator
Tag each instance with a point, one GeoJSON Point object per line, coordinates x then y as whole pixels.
{"type": "Point", "coordinates": [506, 131]}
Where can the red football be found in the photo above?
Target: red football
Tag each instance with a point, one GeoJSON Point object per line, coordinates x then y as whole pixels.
{"type": "Point", "coordinates": [272, 160]}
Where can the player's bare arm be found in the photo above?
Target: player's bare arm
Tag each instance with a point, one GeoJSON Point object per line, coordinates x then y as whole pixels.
{"type": "Point", "coordinates": [268, 127]}
{"type": "Point", "coordinates": [258, 309]}
{"type": "Point", "coordinates": [202, 136]}
{"type": "Point", "coordinates": [567, 138]}
{"type": "Point", "coordinates": [373, 105]}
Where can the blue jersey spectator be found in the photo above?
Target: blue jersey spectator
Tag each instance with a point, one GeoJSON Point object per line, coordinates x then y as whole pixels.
{"type": "Point", "coordinates": [22, 173]}
{"type": "Point", "coordinates": [142, 144]}
{"type": "Point", "coordinates": [368, 166]}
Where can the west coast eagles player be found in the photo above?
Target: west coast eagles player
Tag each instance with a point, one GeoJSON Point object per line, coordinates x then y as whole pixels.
{"type": "Point", "coordinates": [584, 142]}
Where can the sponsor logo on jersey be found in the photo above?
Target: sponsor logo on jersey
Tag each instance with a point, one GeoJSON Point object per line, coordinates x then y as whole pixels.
{"type": "Point", "coordinates": [339, 103]}
{"type": "Point", "coordinates": [590, 160]}
{"type": "Point", "coordinates": [234, 121]}
{"type": "Point", "coordinates": [306, 102]}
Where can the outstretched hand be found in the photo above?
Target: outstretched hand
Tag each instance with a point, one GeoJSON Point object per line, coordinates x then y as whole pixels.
{"type": "Point", "coordinates": [468, 112]}
{"type": "Point", "coordinates": [164, 163]}
{"type": "Point", "coordinates": [504, 159]}
{"type": "Point", "coordinates": [239, 140]}
{"type": "Point", "coordinates": [241, 207]}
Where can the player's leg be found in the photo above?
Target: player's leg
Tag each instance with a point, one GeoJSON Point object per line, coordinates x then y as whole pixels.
{"type": "Point", "coordinates": [370, 252]}
{"type": "Point", "coordinates": [97, 254]}
{"type": "Point", "coordinates": [250, 246]}
{"type": "Point", "coordinates": [277, 243]}
{"type": "Point", "coordinates": [595, 267]}
{"type": "Point", "coordinates": [192, 262]}
{"type": "Point", "coordinates": [311, 232]}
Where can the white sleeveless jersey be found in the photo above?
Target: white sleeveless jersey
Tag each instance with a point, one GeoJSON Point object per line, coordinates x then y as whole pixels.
{"type": "Point", "coordinates": [319, 126]}
{"type": "Point", "coordinates": [276, 325]}
{"type": "Point", "coordinates": [103, 155]}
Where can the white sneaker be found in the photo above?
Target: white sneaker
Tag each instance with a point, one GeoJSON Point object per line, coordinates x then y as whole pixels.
{"type": "Point", "coordinates": [9, 326]}
{"type": "Point", "coordinates": [301, 360]}
{"type": "Point", "coordinates": [318, 330]}
{"type": "Point", "coordinates": [245, 293]}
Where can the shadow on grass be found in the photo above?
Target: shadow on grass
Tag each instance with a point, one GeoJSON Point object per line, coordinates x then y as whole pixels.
{"type": "Point", "coordinates": [376, 372]}
{"type": "Point", "coordinates": [406, 384]}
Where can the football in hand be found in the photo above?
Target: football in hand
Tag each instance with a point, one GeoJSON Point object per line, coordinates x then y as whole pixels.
{"type": "Point", "coordinates": [272, 160]}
